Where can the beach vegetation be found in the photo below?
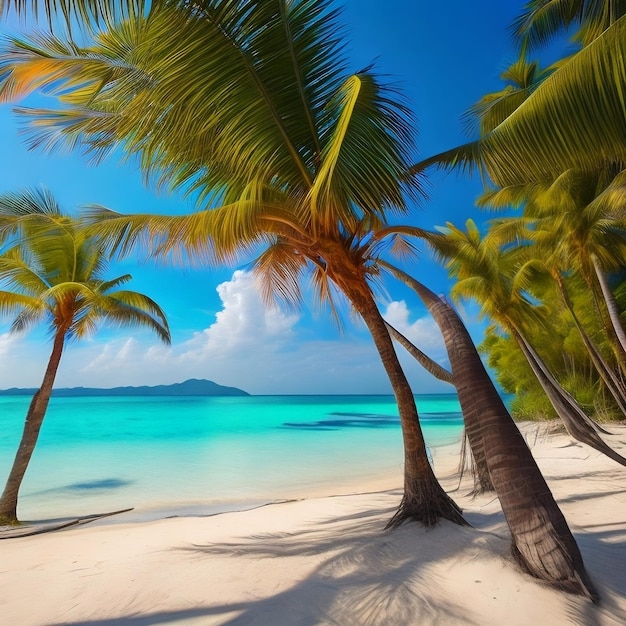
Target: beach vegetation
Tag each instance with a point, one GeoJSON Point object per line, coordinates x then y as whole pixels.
{"type": "Point", "coordinates": [497, 277]}
{"type": "Point", "coordinates": [52, 272]}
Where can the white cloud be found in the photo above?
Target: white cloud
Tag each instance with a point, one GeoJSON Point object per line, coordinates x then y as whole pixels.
{"type": "Point", "coordinates": [423, 332]}
{"type": "Point", "coordinates": [7, 340]}
{"type": "Point", "coordinates": [244, 321]}
{"type": "Point", "coordinates": [249, 345]}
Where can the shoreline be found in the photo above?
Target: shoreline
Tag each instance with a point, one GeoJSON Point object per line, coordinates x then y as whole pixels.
{"type": "Point", "coordinates": [325, 559]}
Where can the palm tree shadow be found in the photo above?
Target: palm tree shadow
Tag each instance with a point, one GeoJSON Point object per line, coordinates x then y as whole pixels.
{"type": "Point", "coordinates": [364, 576]}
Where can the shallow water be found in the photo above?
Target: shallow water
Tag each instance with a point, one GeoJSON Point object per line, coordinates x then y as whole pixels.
{"type": "Point", "coordinates": [207, 453]}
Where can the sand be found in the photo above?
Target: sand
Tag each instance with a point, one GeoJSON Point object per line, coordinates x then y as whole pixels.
{"type": "Point", "coordinates": [327, 560]}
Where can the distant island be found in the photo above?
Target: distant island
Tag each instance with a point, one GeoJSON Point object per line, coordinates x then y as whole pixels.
{"type": "Point", "coordinates": [191, 387]}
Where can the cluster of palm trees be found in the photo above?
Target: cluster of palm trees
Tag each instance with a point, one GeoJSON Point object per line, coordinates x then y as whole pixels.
{"type": "Point", "coordinates": [543, 273]}
{"type": "Point", "coordinates": [296, 163]}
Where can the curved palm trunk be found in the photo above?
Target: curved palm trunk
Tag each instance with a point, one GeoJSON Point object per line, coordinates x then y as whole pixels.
{"type": "Point", "coordinates": [32, 426]}
{"type": "Point", "coordinates": [611, 306]}
{"type": "Point", "coordinates": [477, 467]}
{"type": "Point", "coordinates": [542, 540]}
{"type": "Point", "coordinates": [432, 367]}
{"type": "Point", "coordinates": [609, 377]}
{"type": "Point", "coordinates": [576, 422]}
{"type": "Point", "coordinates": [482, 479]}
{"type": "Point", "coordinates": [424, 500]}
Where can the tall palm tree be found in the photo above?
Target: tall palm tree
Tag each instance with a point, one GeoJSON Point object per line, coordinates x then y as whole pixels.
{"type": "Point", "coordinates": [541, 539]}
{"type": "Point", "coordinates": [248, 105]}
{"type": "Point", "coordinates": [52, 272]}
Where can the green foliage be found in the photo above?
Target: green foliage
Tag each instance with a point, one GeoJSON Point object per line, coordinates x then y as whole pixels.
{"type": "Point", "coordinates": [52, 271]}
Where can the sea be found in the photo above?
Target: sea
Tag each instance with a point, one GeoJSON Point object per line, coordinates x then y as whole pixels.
{"type": "Point", "coordinates": [203, 455]}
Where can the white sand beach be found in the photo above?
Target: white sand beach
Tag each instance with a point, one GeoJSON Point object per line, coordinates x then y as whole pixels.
{"type": "Point", "coordinates": [326, 559]}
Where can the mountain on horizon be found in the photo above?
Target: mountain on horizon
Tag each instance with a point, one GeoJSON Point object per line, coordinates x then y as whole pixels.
{"type": "Point", "coordinates": [191, 387]}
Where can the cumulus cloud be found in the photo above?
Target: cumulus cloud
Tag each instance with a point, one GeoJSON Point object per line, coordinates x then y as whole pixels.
{"type": "Point", "coordinates": [423, 332]}
{"type": "Point", "coordinates": [244, 321]}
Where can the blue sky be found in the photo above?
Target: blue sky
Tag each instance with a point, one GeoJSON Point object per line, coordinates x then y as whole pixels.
{"type": "Point", "coordinates": [445, 56]}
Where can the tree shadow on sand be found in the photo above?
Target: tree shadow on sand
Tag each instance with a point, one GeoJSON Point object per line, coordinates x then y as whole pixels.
{"type": "Point", "coordinates": [366, 576]}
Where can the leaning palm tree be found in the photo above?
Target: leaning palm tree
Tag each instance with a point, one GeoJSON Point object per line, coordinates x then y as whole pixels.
{"type": "Point", "coordinates": [52, 272]}
{"type": "Point", "coordinates": [491, 276]}
{"type": "Point", "coordinates": [541, 539]}
{"type": "Point", "coordinates": [248, 106]}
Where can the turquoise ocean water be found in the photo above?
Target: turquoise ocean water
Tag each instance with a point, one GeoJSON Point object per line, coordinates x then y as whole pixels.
{"type": "Point", "coordinates": [170, 455]}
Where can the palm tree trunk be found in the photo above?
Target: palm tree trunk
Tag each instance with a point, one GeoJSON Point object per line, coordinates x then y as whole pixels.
{"type": "Point", "coordinates": [435, 306]}
{"type": "Point", "coordinates": [541, 538]}
{"type": "Point", "coordinates": [477, 468]}
{"type": "Point", "coordinates": [424, 500]}
{"type": "Point", "coordinates": [579, 425]}
{"type": "Point", "coordinates": [432, 367]}
{"type": "Point", "coordinates": [32, 426]}
{"type": "Point", "coordinates": [611, 306]}
{"type": "Point", "coordinates": [609, 377]}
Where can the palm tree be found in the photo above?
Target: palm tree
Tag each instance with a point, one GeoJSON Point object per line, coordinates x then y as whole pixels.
{"type": "Point", "coordinates": [247, 104]}
{"type": "Point", "coordinates": [575, 225]}
{"type": "Point", "coordinates": [480, 266]}
{"type": "Point", "coordinates": [541, 539]}
{"type": "Point", "coordinates": [493, 110]}
{"type": "Point", "coordinates": [53, 272]}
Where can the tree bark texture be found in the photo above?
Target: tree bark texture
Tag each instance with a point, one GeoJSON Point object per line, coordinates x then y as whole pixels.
{"type": "Point", "coordinates": [32, 426]}
{"type": "Point", "coordinates": [432, 367]}
{"type": "Point", "coordinates": [477, 468]}
{"type": "Point", "coordinates": [424, 500]}
{"type": "Point", "coordinates": [541, 538]}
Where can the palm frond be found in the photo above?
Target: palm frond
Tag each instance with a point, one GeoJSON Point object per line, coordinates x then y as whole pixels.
{"type": "Point", "coordinates": [278, 269]}
{"type": "Point", "coordinates": [122, 309]}
{"type": "Point", "coordinates": [366, 152]}
{"type": "Point", "coordinates": [541, 20]}
{"type": "Point", "coordinates": [522, 78]}
{"type": "Point", "coordinates": [574, 119]}
{"type": "Point", "coordinates": [12, 303]}
{"type": "Point", "coordinates": [327, 295]}
{"type": "Point", "coordinates": [212, 236]}
{"type": "Point", "coordinates": [20, 270]}
{"type": "Point", "coordinates": [87, 13]}
{"type": "Point", "coordinates": [29, 317]}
